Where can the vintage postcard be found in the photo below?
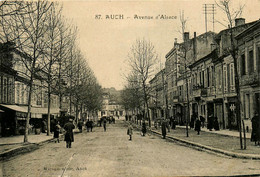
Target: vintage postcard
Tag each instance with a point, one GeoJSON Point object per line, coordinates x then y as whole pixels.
{"type": "Point", "coordinates": [129, 88]}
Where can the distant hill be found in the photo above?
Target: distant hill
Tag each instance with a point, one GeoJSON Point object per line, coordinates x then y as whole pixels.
{"type": "Point", "coordinates": [113, 94]}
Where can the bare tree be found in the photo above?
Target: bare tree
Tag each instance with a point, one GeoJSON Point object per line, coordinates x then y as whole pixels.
{"type": "Point", "coordinates": [142, 59]}
{"type": "Point", "coordinates": [132, 93]}
{"type": "Point", "coordinates": [28, 31]}
{"type": "Point", "coordinates": [231, 15]}
{"type": "Point", "coordinates": [9, 10]}
{"type": "Point", "coordinates": [51, 55]}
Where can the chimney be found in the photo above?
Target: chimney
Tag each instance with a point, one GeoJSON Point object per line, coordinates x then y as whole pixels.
{"type": "Point", "coordinates": [186, 36]}
{"type": "Point", "coordinates": [175, 41]}
{"type": "Point", "coordinates": [239, 21]}
{"type": "Point", "coordinates": [195, 46]}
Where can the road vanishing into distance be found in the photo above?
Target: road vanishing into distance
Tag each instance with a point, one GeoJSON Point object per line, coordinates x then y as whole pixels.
{"type": "Point", "coordinates": [110, 153]}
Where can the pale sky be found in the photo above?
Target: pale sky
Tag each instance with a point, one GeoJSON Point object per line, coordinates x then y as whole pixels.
{"type": "Point", "coordinates": [107, 42]}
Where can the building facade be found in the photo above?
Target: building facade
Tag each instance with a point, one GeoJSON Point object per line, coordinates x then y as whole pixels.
{"type": "Point", "coordinates": [249, 69]}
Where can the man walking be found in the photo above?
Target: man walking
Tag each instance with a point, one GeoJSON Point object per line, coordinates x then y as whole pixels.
{"type": "Point", "coordinates": [68, 127]}
{"type": "Point", "coordinates": [130, 130]}
{"type": "Point", "coordinates": [105, 124]}
{"type": "Point", "coordinates": [164, 129]}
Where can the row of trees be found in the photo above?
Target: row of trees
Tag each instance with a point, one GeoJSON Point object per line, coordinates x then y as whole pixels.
{"type": "Point", "coordinates": [39, 31]}
{"type": "Point", "coordinates": [136, 94]}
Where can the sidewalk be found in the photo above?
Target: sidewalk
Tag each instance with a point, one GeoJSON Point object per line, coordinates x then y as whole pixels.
{"type": "Point", "coordinates": [14, 145]}
{"type": "Point", "coordinates": [223, 141]}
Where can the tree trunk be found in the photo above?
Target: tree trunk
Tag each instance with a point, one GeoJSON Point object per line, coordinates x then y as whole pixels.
{"type": "Point", "coordinates": [49, 108]}
{"type": "Point", "coordinates": [29, 110]}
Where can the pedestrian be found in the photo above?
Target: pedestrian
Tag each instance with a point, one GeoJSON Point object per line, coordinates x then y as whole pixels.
{"type": "Point", "coordinates": [202, 119]}
{"type": "Point", "coordinates": [113, 120]}
{"type": "Point", "coordinates": [56, 135]}
{"type": "Point", "coordinates": [193, 118]}
{"type": "Point", "coordinates": [130, 130]}
{"type": "Point", "coordinates": [105, 124]}
{"type": "Point", "coordinates": [210, 122]}
{"type": "Point", "coordinates": [69, 138]}
{"type": "Point", "coordinates": [255, 135]}
{"type": "Point", "coordinates": [164, 129]}
{"type": "Point", "coordinates": [143, 128]}
{"type": "Point", "coordinates": [88, 125]}
{"type": "Point", "coordinates": [197, 125]}
{"type": "Point", "coordinates": [91, 123]}
{"type": "Point", "coordinates": [80, 124]}
{"type": "Point", "coordinates": [216, 124]}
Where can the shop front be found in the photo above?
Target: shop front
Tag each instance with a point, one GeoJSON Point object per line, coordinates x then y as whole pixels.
{"type": "Point", "coordinates": [13, 119]}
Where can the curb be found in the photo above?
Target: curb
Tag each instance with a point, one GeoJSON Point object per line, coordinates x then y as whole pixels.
{"type": "Point", "coordinates": [18, 150]}
{"type": "Point", "coordinates": [208, 148]}
{"type": "Point", "coordinates": [25, 148]}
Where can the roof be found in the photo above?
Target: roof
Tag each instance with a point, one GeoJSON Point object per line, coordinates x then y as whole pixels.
{"type": "Point", "coordinates": [246, 31]}
{"type": "Point", "coordinates": [197, 37]}
{"type": "Point", "coordinates": [235, 27]}
{"type": "Point", "coordinates": [212, 54]}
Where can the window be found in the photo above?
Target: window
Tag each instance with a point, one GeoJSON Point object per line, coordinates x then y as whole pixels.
{"type": "Point", "coordinates": [219, 80]}
{"type": "Point", "coordinates": [250, 62]}
{"type": "Point", "coordinates": [0, 89]}
{"type": "Point", "coordinates": [5, 92]}
{"type": "Point", "coordinates": [232, 77]}
{"type": "Point", "coordinates": [180, 90]}
{"type": "Point", "coordinates": [10, 90]}
{"type": "Point", "coordinates": [202, 77]}
{"type": "Point", "coordinates": [17, 93]}
{"type": "Point", "coordinates": [212, 76]}
{"type": "Point", "coordinates": [208, 77]}
{"type": "Point", "coordinates": [258, 59]}
{"type": "Point", "coordinates": [22, 94]}
{"type": "Point", "coordinates": [225, 77]}
{"type": "Point", "coordinates": [243, 65]}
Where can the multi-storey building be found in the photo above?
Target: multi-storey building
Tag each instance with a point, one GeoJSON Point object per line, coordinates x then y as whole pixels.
{"type": "Point", "coordinates": [186, 70]}
{"type": "Point", "coordinates": [111, 105]}
{"type": "Point", "coordinates": [208, 73]}
{"type": "Point", "coordinates": [226, 97]}
{"type": "Point", "coordinates": [157, 95]}
{"type": "Point", "coordinates": [249, 69]}
{"type": "Point", "coordinates": [15, 94]}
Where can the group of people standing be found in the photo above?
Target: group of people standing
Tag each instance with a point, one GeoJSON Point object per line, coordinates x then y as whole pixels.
{"type": "Point", "coordinates": [68, 130]}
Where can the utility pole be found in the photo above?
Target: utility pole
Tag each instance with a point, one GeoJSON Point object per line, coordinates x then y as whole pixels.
{"type": "Point", "coordinates": [209, 9]}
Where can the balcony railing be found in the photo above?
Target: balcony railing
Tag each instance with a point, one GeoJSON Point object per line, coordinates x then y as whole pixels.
{"type": "Point", "coordinates": [200, 92]}
{"type": "Point", "coordinates": [252, 79]}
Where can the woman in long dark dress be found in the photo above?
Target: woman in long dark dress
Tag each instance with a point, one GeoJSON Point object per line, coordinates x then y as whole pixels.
{"type": "Point", "coordinates": [255, 129]}
{"type": "Point", "coordinates": [143, 128]}
{"type": "Point", "coordinates": [197, 125]}
{"type": "Point", "coordinates": [164, 129]}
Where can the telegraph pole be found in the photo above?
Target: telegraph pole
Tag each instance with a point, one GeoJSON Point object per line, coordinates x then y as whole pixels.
{"type": "Point", "coordinates": [209, 9]}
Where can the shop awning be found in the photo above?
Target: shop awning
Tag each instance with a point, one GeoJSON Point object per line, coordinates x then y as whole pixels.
{"type": "Point", "coordinates": [36, 112]}
{"type": "Point", "coordinates": [15, 107]}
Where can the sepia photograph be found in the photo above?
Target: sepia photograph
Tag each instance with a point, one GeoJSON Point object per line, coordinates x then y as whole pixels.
{"type": "Point", "coordinates": [128, 88]}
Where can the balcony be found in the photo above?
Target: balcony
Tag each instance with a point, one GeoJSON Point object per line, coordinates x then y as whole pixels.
{"type": "Point", "coordinates": [252, 80]}
{"type": "Point", "coordinates": [199, 91]}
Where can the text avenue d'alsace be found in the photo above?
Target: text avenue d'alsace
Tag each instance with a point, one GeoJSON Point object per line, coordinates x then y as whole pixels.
{"type": "Point", "coordinates": [135, 16]}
